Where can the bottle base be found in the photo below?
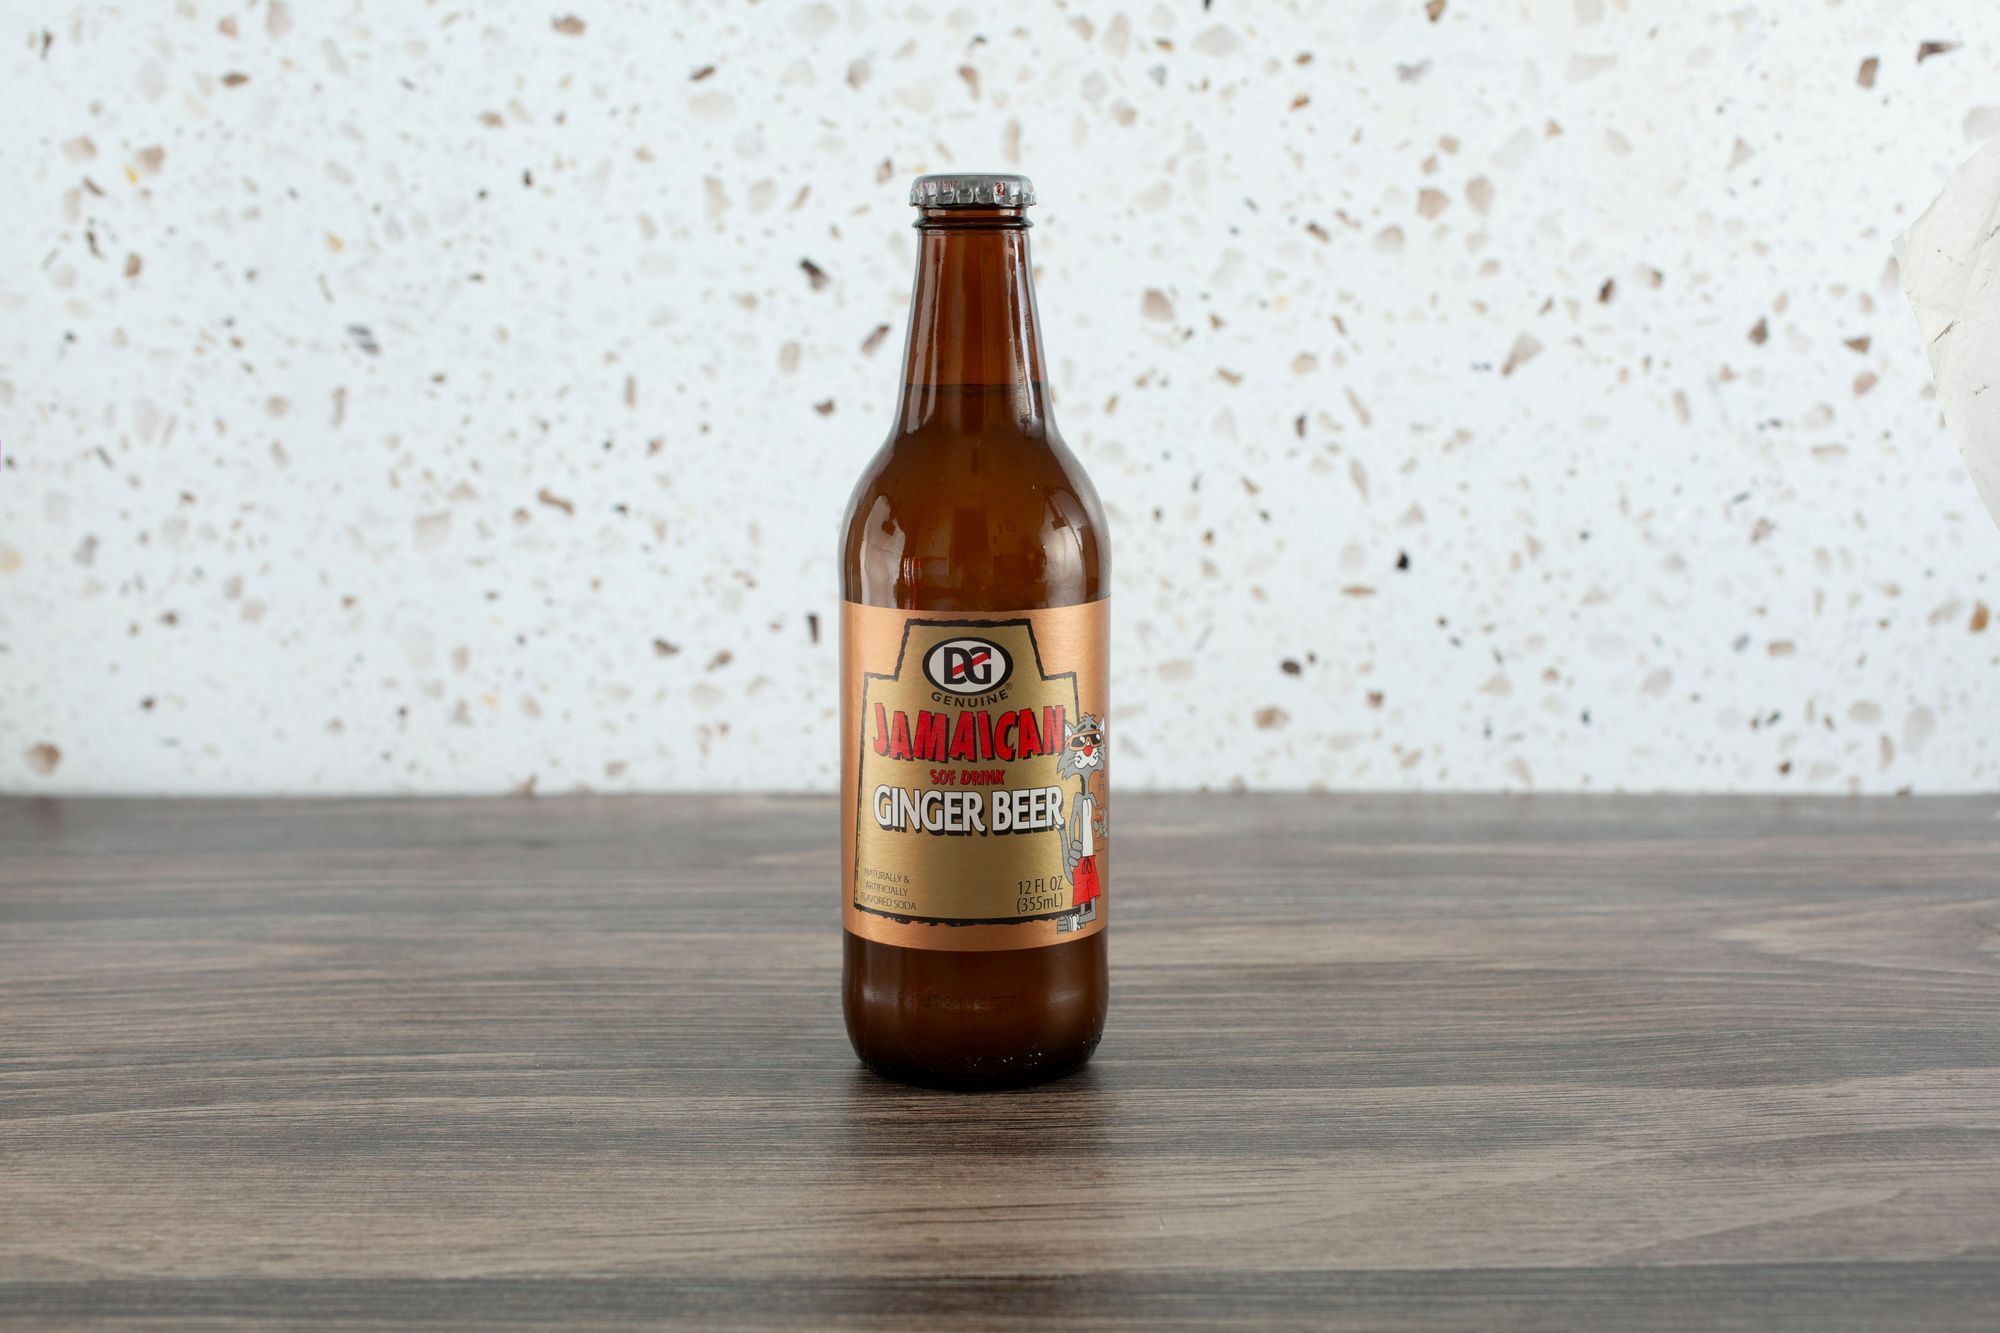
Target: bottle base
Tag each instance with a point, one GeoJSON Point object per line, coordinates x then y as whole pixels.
{"type": "Point", "coordinates": [974, 1021]}
{"type": "Point", "coordinates": [997, 1076]}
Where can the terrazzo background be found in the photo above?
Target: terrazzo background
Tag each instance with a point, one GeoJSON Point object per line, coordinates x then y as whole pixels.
{"type": "Point", "coordinates": [402, 397]}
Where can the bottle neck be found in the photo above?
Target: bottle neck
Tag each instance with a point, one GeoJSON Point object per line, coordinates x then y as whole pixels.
{"type": "Point", "coordinates": [973, 360]}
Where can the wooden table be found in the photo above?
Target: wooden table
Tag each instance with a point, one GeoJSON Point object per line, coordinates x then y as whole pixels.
{"type": "Point", "coordinates": [1446, 1062]}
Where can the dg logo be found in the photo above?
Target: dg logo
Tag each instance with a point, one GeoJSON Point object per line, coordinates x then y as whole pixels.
{"type": "Point", "coordinates": [967, 666]}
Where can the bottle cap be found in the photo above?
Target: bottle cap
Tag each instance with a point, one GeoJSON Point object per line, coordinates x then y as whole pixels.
{"type": "Point", "coordinates": [972, 189]}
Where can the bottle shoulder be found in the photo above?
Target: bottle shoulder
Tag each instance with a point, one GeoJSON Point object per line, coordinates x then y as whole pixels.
{"type": "Point", "coordinates": [990, 522]}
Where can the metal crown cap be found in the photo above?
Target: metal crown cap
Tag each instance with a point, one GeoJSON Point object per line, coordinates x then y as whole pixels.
{"type": "Point", "coordinates": [972, 189]}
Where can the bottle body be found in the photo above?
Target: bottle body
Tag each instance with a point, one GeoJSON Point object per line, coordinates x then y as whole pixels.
{"type": "Point", "coordinates": [974, 580]}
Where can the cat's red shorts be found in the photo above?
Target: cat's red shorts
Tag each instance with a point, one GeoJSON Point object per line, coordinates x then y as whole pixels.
{"type": "Point", "coordinates": [1084, 877]}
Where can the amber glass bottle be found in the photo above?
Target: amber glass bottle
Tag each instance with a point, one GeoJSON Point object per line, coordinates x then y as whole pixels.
{"type": "Point", "coordinates": [974, 574]}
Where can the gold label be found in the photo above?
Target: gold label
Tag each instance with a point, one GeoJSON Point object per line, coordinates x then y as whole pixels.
{"type": "Point", "coordinates": [975, 807]}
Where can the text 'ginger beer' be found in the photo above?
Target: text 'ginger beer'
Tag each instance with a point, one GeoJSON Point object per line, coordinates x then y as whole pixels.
{"type": "Point", "coordinates": [975, 570]}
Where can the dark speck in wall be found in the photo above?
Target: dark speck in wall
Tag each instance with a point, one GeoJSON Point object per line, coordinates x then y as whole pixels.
{"type": "Point", "coordinates": [364, 339]}
{"type": "Point", "coordinates": [814, 274]}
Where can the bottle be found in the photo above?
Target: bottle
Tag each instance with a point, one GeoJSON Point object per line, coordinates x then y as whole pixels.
{"type": "Point", "coordinates": [975, 570]}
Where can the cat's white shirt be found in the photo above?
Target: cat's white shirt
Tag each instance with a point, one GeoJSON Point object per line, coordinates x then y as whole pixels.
{"type": "Point", "coordinates": [1086, 816]}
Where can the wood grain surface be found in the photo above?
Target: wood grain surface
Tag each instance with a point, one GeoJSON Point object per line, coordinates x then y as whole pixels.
{"type": "Point", "coordinates": [1421, 1063]}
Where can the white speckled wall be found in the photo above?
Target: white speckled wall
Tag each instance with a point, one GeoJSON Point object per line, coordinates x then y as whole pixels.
{"type": "Point", "coordinates": [402, 397]}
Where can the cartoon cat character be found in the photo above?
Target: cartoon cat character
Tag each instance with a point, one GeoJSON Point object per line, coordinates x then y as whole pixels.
{"type": "Point", "coordinates": [1083, 755]}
